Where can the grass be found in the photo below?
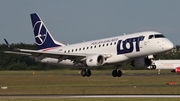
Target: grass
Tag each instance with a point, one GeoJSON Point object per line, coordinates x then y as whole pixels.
{"type": "Point", "coordinates": [92, 99]}
{"type": "Point", "coordinates": [101, 82]}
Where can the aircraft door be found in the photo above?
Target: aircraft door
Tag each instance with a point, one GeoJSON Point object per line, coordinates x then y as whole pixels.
{"type": "Point", "coordinates": [141, 42]}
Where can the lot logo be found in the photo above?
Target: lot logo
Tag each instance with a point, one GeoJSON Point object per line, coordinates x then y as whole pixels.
{"type": "Point", "coordinates": [40, 33]}
{"type": "Point", "coordinates": [127, 46]}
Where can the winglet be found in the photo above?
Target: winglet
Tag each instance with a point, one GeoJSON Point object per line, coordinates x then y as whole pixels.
{"type": "Point", "coordinates": [9, 46]}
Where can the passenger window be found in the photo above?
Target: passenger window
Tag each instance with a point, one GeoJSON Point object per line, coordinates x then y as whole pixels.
{"type": "Point", "coordinates": [99, 45]}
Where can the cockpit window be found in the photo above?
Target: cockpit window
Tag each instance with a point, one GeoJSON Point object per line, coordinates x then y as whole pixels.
{"type": "Point", "coordinates": [159, 36]}
{"type": "Point", "coordinates": [156, 36]}
{"type": "Point", "coordinates": [151, 36]}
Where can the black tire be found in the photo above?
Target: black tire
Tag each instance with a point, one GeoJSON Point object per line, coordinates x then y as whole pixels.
{"type": "Point", "coordinates": [119, 73]}
{"type": "Point", "coordinates": [88, 72]}
{"type": "Point", "coordinates": [154, 66]}
{"type": "Point", "coordinates": [114, 73]}
{"type": "Point", "coordinates": [83, 72]}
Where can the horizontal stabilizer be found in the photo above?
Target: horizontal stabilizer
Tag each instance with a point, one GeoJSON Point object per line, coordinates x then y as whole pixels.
{"type": "Point", "coordinates": [9, 46]}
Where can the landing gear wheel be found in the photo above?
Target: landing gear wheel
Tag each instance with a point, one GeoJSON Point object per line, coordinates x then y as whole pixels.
{"type": "Point", "coordinates": [86, 72]}
{"type": "Point", "coordinates": [153, 67]}
{"type": "Point", "coordinates": [83, 72]}
{"type": "Point", "coordinates": [117, 73]}
{"type": "Point", "coordinates": [114, 73]}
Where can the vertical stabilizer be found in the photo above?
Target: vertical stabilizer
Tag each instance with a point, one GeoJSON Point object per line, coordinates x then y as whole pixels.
{"type": "Point", "coordinates": [43, 38]}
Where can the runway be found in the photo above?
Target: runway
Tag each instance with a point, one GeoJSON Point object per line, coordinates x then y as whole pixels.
{"type": "Point", "coordinates": [89, 96]}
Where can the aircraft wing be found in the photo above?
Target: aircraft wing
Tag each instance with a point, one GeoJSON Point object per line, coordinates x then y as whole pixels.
{"type": "Point", "coordinates": [52, 54]}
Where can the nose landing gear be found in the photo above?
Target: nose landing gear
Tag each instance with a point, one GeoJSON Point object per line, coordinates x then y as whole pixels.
{"type": "Point", "coordinates": [153, 67]}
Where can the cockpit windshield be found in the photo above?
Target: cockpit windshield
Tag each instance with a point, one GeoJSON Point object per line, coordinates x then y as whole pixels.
{"type": "Point", "coordinates": [156, 36]}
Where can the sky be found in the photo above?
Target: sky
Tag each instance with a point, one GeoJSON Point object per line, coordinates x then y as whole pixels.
{"type": "Point", "coordinates": [74, 21]}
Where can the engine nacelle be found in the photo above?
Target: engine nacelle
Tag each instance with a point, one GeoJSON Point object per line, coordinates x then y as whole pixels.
{"type": "Point", "coordinates": [177, 70]}
{"type": "Point", "coordinates": [95, 60]}
{"type": "Point", "coordinates": [141, 62]}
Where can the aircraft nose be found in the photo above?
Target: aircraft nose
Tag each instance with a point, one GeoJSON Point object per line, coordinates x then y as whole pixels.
{"type": "Point", "coordinates": [169, 45]}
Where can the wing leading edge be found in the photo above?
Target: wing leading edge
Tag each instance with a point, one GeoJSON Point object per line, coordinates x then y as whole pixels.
{"type": "Point", "coordinates": [51, 54]}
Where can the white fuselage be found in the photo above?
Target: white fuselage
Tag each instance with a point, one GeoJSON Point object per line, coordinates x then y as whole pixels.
{"type": "Point", "coordinates": [166, 64]}
{"type": "Point", "coordinates": [120, 48]}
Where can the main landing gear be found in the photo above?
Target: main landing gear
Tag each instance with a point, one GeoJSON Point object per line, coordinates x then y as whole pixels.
{"type": "Point", "coordinates": [116, 73]}
{"type": "Point", "coordinates": [86, 72]}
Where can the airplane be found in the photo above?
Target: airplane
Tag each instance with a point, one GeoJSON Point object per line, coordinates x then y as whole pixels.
{"type": "Point", "coordinates": [173, 65]}
{"type": "Point", "coordinates": [137, 48]}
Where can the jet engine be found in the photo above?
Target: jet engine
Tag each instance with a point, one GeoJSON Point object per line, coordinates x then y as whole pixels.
{"type": "Point", "coordinates": [95, 60]}
{"type": "Point", "coordinates": [143, 62]}
{"type": "Point", "coordinates": [177, 70]}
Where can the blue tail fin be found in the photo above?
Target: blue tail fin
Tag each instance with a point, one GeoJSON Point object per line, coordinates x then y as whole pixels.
{"type": "Point", "coordinates": [42, 36]}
